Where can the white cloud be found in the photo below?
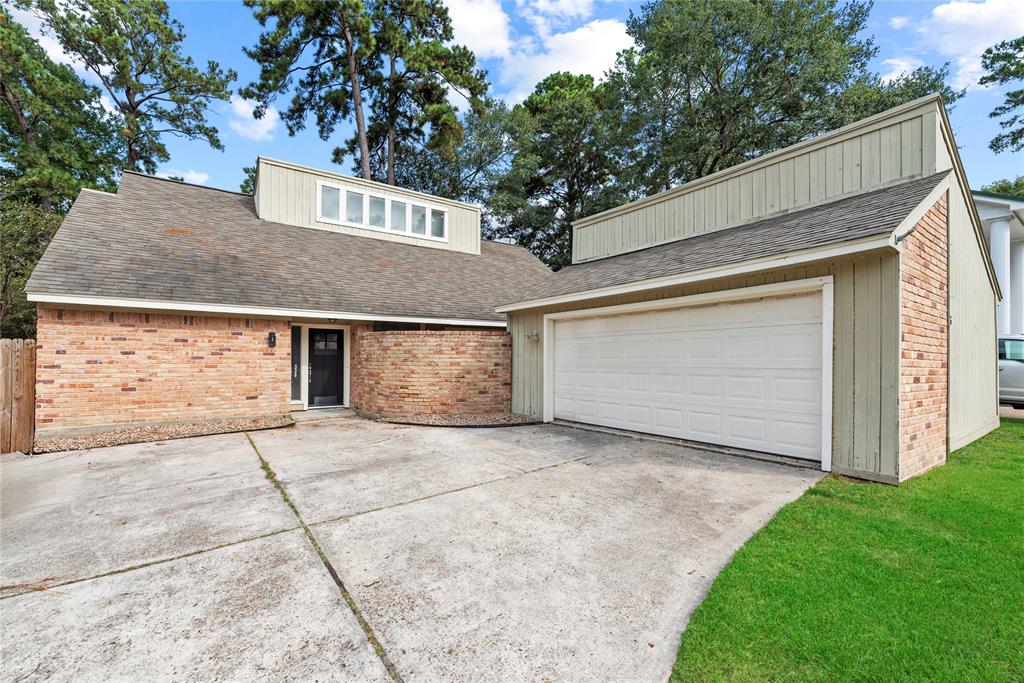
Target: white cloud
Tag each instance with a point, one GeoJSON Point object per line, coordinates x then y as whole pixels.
{"type": "Point", "coordinates": [589, 49]}
{"type": "Point", "coordinates": [189, 176]}
{"type": "Point", "coordinates": [899, 66]}
{"type": "Point", "coordinates": [961, 30]}
{"type": "Point", "coordinates": [482, 26]}
{"type": "Point", "coordinates": [898, 22]}
{"type": "Point", "coordinates": [34, 25]}
{"type": "Point", "coordinates": [545, 15]}
{"type": "Point", "coordinates": [243, 123]}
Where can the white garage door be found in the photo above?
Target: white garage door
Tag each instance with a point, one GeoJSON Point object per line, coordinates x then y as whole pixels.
{"type": "Point", "coordinates": [745, 374]}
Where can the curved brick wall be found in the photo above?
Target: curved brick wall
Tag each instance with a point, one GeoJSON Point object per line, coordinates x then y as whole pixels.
{"type": "Point", "coordinates": [431, 372]}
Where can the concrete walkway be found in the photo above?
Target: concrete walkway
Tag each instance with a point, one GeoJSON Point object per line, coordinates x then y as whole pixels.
{"type": "Point", "coordinates": [343, 549]}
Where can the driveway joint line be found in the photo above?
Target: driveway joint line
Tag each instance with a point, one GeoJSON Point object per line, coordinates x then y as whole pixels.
{"type": "Point", "coordinates": [37, 587]}
{"type": "Point", "coordinates": [519, 473]}
{"type": "Point", "coordinates": [378, 648]}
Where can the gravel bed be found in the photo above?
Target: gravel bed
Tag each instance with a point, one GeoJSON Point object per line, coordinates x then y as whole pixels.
{"type": "Point", "coordinates": [143, 434]}
{"type": "Point", "coordinates": [488, 420]}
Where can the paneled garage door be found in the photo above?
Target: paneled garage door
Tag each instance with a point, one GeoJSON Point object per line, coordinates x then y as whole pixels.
{"type": "Point", "coordinates": [744, 373]}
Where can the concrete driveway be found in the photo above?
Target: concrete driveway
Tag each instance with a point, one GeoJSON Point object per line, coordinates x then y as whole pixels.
{"type": "Point", "coordinates": [344, 549]}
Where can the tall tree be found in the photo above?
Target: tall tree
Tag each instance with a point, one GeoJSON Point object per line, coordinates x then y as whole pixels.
{"type": "Point", "coordinates": [133, 47]}
{"type": "Point", "coordinates": [1003, 64]}
{"type": "Point", "coordinates": [25, 230]}
{"type": "Point", "coordinates": [471, 172]}
{"type": "Point", "coordinates": [712, 83]}
{"type": "Point", "coordinates": [323, 49]}
{"type": "Point", "coordinates": [420, 69]}
{"type": "Point", "coordinates": [561, 169]}
{"type": "Point", "coordinates": [55, 137]}
{"type": "Point", "coordinates": [248, 184]}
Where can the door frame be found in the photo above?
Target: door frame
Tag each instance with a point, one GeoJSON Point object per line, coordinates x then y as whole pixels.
{"type": "Point", "coordinates": [303, 401]}
{"type": "Point", "coordinates": [822, 284]}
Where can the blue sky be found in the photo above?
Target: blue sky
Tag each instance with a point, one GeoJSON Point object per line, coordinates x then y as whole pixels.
{"type": "Point", "coordinates": [519, 42]}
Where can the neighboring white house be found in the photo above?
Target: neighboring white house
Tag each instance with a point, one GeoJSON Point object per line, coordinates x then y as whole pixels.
{"type": "Point", "coordinates": [1002, 217]}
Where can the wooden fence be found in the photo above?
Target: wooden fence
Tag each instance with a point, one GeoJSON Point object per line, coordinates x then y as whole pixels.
{"type": "Point", "coordinates": [17, 394]}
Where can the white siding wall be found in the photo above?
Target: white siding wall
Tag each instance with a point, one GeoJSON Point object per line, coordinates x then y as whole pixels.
{"type": "Point", "coordinates": [891, 150]}
{"type": "Point", "coordinates": [287, 194]}
{"type": "Point", "coordinates": [973, 375]}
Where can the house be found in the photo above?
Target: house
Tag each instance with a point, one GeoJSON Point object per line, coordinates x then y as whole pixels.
{"type": "Point", "coordinates": [832, 302]}
{"type": "Point", "coordinates": [1003, 219]}
{"type": "Point", "coordinates": [174, 302]}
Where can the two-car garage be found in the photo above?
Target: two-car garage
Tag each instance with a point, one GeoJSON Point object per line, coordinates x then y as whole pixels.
{"type": "Point", "coordinates": [745, 373]}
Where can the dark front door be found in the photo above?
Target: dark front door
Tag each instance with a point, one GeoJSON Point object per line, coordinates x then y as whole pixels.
{"type": "Point", "coordinates": [325, 354]}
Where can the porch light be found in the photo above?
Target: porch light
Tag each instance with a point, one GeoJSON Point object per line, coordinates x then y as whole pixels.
{"type": "Point", "coordinates": [533, 335]}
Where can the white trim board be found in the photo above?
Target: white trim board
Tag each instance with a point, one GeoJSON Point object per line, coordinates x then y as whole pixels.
{"type": "Point", "coordinates": [772, 263]}
{"type": "Point", "coordinates": [231, 309]}
{"type": "Point", "coordinates": [824, 284]}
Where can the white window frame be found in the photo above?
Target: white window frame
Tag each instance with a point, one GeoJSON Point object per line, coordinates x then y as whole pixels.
{"type": "Point", "coordinates": [303, 401]}
{"type": "Point", "coordinates": [822, 284]}
{"type": "Point", "coordinates": [388, 198]}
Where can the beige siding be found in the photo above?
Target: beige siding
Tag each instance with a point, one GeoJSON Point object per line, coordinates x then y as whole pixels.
{"type": "Point", "coordinates": [889, 150]}
{"type": "Point", "coordinates": [865, 364]}
{"type": "Point", "coordinates": [973, 373]}
{"type": "Point", "coordinates": [287, 194]}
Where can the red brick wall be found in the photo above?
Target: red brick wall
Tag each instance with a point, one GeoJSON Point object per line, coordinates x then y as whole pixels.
{"type": "Point", "coordinates": [435, 372]}
{"type": "Point", "coordinates": [105, 368]}
{"type": "Point", "coordinates": [924, 375]}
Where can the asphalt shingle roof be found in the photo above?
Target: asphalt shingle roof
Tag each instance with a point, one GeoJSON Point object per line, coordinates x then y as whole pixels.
{"type": "Point", "coordinates": [866, 215]}
{"type": "Point", "coordinates": [166, 241]}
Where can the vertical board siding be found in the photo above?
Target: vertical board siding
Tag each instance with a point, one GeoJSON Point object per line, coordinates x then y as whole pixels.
{"type": "Point", "coordinates": [973, 362]}
{"type": "Point", "coordinates": [890, 152]}
{"type": "Point", "coordinates": [865, 347]}
{"type": "Point", "coordinates": [288, 195]}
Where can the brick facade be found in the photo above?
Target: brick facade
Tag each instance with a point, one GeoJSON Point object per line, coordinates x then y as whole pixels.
{"type": "Point", "coordinates": [107, 368]}
{"type": "Point", "coordinates": [431, 372]}
{"type": "Point", "coordinates": [924, 375]}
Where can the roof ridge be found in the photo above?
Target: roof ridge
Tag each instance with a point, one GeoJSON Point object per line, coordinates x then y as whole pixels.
{"type": "Point", "coordinates": [184, 183]}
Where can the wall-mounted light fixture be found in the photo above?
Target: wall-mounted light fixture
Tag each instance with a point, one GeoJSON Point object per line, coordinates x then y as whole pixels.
{"type": "Point", "coordinates": [533, 335]}
{"type": "Point", "coordinates": [272, 339]}
{"type": "Point", "coordinates": [332, 320]}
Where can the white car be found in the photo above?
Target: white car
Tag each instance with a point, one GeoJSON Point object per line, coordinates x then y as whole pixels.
{"type": "Point", "coordinates": [1011, 370]}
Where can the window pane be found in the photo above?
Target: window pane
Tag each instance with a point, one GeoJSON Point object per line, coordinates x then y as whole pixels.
{"type": "Point", "coordinates": [354, 207]}
{"type": "Point", "coordinates": [437, 223]}
{"type": "Point", "coordinates": [376, 218]}
{"type": "Point", "coordinates": [330, 202]}
{"type": "Point", "coordinates": [1014, 349]}
{"type": "Point", "coordinates": [398, 216]}
{"type": "Point", "coordinates": [419, 220]}
{"type": "Point", "coordinates": [296, 363]}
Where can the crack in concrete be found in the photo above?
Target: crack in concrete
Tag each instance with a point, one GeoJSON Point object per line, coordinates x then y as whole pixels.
{"type": "Point", "coordinates": [41, 586]}
{"type": "Point", "coordinates": [349, 600]}
{"type": "Point", "coordinates": [520, 473]}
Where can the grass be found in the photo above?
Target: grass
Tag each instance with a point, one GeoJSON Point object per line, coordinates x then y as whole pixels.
{"type": "Point", "coordinates": [878, 583]}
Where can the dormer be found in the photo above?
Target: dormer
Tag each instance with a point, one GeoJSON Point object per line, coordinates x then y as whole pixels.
{"type": "Point", "coordinates": [313, 198]}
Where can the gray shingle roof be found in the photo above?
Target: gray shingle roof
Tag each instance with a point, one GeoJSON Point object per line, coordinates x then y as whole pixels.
{"type": "Point", "coordinates": [869, 214]}
{"type": "Point", "coordinates": [165, 241]}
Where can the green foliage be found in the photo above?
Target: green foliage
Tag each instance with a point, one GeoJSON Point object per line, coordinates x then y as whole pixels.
{"type": "Point", "coordinates": [248, 184]}
{"type": "Point", "coordinates": [867, 582]}
{"type": "Point", "coordinates": [25, 230]}
{"type": "Point", "coordinates": [320, 50]}
{"type": "Point", "coordinates": [1003, 64]}
{"type": "Point", "coordinates": [870, 95]}
{"type": "Point", "coordinates": [560, 170]}
{"type": "Point", "coordinates": [1009, 186]}
{"type": "Point", "coordinates": [470, 173]}
{"type": "Point", "coordinates": [133, 47]}
{"type": "Point", "coordinates": [55, 137]}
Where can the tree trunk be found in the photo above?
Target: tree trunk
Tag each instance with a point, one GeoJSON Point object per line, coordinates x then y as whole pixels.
{"type": "Point", "coordinates": [357, 105]}
{"type": "Point", "coordinates": [391, 123]}
{"type": "Point", "coordinates": [45, 201]}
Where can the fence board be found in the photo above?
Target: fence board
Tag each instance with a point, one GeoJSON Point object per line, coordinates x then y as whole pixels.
{"type": "Point", "coordinates": [17, 394]}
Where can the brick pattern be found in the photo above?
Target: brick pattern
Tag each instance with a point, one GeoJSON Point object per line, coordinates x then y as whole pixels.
{"type": "Point", "coordinates": [431, 372]}
{"type": "Point", "coordinates": [99, 367]}
{"type": "Point", "coordinates": [924, 375]}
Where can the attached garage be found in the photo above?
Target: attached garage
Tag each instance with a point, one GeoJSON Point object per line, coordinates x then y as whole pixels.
{"type": "Point", "coordinates": [740, 372]}
{"type": "Point", "coordinates": [831, 302]}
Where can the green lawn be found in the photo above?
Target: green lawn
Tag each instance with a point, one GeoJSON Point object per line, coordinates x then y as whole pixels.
{"type": "Point", "coordinates": [878, 583]}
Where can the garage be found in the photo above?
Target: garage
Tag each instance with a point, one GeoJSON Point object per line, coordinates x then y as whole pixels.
{"type": "Point", "coordinates": [744, 373]}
